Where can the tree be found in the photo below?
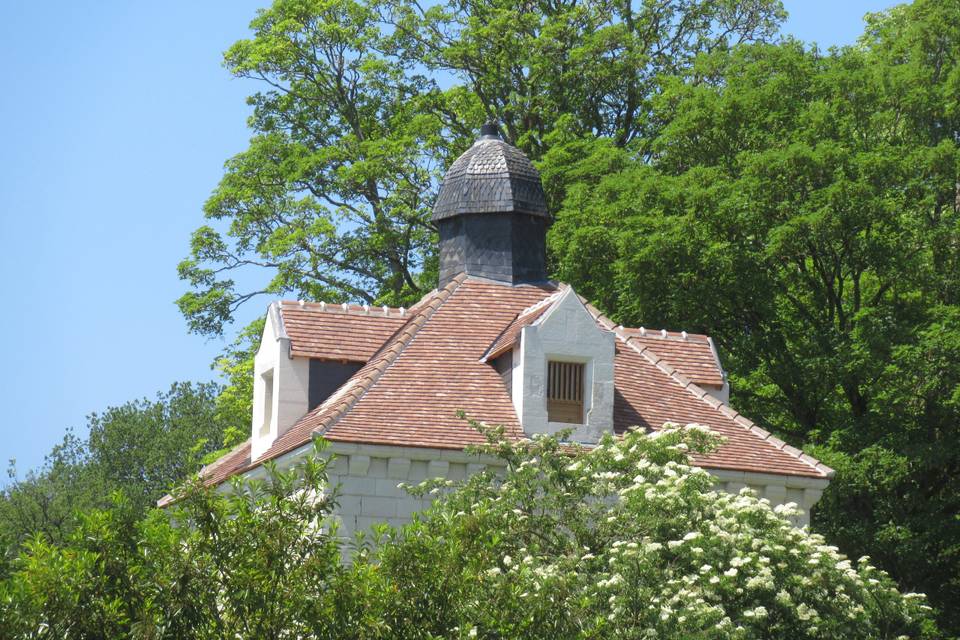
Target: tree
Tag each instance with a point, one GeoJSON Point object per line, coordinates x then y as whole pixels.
{"type": "Point", "coordinates": [235, 364]}
{"type": "Point", "coordinates": [626, 540]}
{"type": "Point", "coordinates": [622, 541]}
{"type": "Point", "coordinates": [44, 501]}
{"type": "Point", "coordinates": [332, 195]}
{"type": "Point", "coordinates": [591, 67]}
{"type": "Point", "coordinates": [781, 186]}
{"type": "Point", "coordinates": [140, 449]}
{"type": "Point", "coordinates": [144, 447]}
{"type": "Point", "coordinates": [332, 198]}
{"type": "Point", "coordinates": [253, 564]}
{"type": "Point", "coordinates": [802, 208]}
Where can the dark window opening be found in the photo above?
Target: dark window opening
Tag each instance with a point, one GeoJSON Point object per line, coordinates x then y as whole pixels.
{"type": "Point", "coordinates": [326, 376]}
{"type": "Point", "coordinates": [565, 392]}
{"type": "Point", "coordinates": [504, 366]}
{"type": "Point", "coordinates": [267, 402]}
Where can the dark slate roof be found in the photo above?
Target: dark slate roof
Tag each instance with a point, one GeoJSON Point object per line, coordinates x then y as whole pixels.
{"type": "Point", "coordinates": [492, 176]}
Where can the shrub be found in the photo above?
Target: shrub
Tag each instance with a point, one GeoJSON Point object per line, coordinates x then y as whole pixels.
{"type": "Point", "coordinates": [625, 540]}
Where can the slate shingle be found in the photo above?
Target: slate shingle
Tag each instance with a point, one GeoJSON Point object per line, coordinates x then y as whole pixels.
{"type": "Point", "coordinates": [491, 177]}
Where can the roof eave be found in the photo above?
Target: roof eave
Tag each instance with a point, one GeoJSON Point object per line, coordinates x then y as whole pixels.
{"type": "Point", "coordinates": [724, 408]}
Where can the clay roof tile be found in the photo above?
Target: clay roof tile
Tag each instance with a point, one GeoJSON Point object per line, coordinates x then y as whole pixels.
{"type": "Point", "coordinates": [409, 391]}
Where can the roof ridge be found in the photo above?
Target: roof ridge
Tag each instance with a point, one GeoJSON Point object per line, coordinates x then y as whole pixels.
{"type": "Point", "coordinates": [613, 326]}
{"type": "Point", "coordinates": [664, 334]}
{"type": "Point", "coordinates": [644, 332]}
{"type": "Point", "coordinates": [373, 311]}
{"type": "Point", "coordinates": [598, 316]}
{"type": "Point", "coordinates": [722, 407]}
{"type": "Point", "coordinates": [549, 300]}
{"type": "Point", "coordinates": [398, 343]}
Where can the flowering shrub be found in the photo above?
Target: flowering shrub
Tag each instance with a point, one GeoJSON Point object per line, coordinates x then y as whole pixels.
{"type": "Point", "coordinates": [626, 540]}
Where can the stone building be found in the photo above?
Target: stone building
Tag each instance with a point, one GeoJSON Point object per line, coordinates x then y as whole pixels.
{"type": "Point", "coordinates": [499, 341]}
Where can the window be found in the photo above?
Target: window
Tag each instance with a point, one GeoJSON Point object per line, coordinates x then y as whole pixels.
{"type": "Point", "coordinates": [565, 392]}
{"type": "Point", "coordinates": [267, 402]}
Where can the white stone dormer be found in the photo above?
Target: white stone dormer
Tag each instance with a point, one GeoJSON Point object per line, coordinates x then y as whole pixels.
{"type": "Point", "coordinates": [280, 385]}
{"type": "Point", "coordinates": [563, 373]}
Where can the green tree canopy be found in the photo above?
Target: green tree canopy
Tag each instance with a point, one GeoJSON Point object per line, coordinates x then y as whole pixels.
{"type": "Point", "coordinates": [802, 208]}
{"type": "Point", "coordinates": [140, 449]}
{"type": "Point", "coordinates": [144, 447]}
{"type": "Point", "coordinates": [365, 102]}
{"type": "Point", "coordinates": [43, 501]}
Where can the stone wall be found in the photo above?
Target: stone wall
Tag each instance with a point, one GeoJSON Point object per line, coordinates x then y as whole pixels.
{"type": "Point", "coordinates": [290, 379]}
{"type": "Point", "coordinates": [368, 476]}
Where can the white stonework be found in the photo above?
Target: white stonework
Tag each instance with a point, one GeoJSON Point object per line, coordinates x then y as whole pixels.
{"type": "Point", "coordinates": [280, 386]}
{"type": "Point", "coordinates": [566, 332]}
{"type": "Point", "coordinates": [368, 475]}
{"type": "Point", "coordinates": [723, 393]}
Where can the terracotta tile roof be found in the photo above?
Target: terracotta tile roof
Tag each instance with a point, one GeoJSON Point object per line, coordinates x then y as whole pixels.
{"type": "Point", "coordinates": [525, 318]}
{"type": "Point", "coordinates": [440, 365]}
{"type": "Point", "coordinates": [238, 460]}
{"type": "Point", "coordinates": [338, 332]}
{"type": "Point", "coordinates": [409, 391]}
{"type": "Point", "coordinates": [748, 447]}
{"type": "Point", "coordinates": [230, 463]}
{"type": "Point", "coordinates": [226, 466]}
{"type": "Point", "coordinates": [646, 396]}
{"type": "Point", "coordinates": [343, 399]}
{"type": "Point", "coordinates": [690, 353]}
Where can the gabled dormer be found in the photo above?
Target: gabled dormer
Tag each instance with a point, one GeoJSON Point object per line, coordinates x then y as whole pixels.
{"type": "Point", "coordinates": [558, 364]}
{"type": "Point", "coordinates": [281, 385]}
{"type": "Point", "coordinates": [307, 351]}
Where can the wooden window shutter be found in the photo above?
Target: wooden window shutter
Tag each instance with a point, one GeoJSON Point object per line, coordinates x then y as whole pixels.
{"type": "Point", "coordinates": [565, 392]}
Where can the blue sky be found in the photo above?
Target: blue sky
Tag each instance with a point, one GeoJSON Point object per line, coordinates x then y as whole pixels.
{"type": "Point", "coordinates": [117, 118]}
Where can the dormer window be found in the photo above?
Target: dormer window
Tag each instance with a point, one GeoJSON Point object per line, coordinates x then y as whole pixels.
{"type": "Point", "coordinates": [565, 392]}
{"type": "Point", "coordinates": [562, 370]}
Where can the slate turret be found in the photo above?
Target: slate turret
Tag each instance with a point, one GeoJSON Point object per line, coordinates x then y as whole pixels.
{"type": "Point", "coordinates": [492, 214]}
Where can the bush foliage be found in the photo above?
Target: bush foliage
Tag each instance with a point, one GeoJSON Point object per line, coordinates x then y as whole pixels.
{"type": "Point", "coordinates": [625, 540]}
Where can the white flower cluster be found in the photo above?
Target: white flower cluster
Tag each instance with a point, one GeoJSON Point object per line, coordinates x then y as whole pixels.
{"type": "Point", "coordinates": [636, 532]}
